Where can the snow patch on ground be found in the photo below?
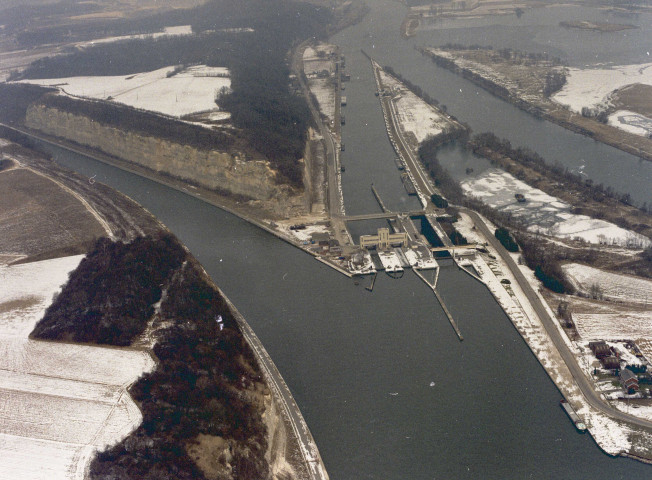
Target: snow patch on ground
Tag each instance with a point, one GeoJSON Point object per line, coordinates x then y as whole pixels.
{"type": "Point", "coordinates": [631, 122]}
{"type": "Point", "coordinates": [305, 234]}
{"type": "Point", "coordinates": [612, 286]}
{"type": "Point", "coordinates": [390, 261]}
{"type": "Point", "coordinates": [167, 32]}
{"type": "Point", "coordinates": [192, 90]}
{"type": "Point", "coordinates": [591, 87]}
{"type": "Point", "coordinates": [60, 402]}
{"type": "Point", "coordinates": [414, 115]}
{"type": "Point", "coordinates": [544, 213]}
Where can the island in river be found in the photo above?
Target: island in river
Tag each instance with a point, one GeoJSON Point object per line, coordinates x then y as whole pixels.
{"type": "Point", "coordinates": [546, 88]}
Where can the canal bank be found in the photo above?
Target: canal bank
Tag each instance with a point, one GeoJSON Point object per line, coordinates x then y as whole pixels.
{"type": "Point", "coordinates": [379, 36]}
{"type": "Point", "coordinates": [383, 371]}
{"type": "Point", "coordinates": [472, 409]}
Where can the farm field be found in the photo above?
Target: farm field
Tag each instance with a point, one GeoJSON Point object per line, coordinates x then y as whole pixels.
{"type": "Point", "coordinates": [612, 286]}
{"type": "Point", "coordinates": [60, 401]}
{"type": "Point", "coordinates": [27, 225]}
{"type": "Point", "coordinates": [189, 91]}
{"type": "Point", "coordinates": [614, 326]}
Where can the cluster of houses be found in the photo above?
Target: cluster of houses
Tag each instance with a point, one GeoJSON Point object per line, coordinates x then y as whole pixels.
{"type": "Point", "coordinates": [631, 375]}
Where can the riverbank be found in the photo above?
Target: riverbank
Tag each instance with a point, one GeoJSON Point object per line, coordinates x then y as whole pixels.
{"type": "Point", "coordinates": [123, 219]}
{"type": "Point", "coordinates": [521, 296]}
{"type": "Point", "coordinates": [481, 66]}
{"type": "Point", "coordinates": [244, 210]}
{"type": "Point", "coordinates": [516, 289]}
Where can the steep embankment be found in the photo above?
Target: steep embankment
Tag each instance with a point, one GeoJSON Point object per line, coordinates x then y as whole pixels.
{"type": "Point", "coordinates": [208, 168]}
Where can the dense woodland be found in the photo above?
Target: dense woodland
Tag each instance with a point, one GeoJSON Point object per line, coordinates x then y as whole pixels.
{"type": "Point", "coordinates": [15, 98]}
{"type": "Point", "coordinates": [206, 382]}
{"type": "Point", "coordinates": [273, 119]}
{"type": "Point", "coordinates": [109, 297]}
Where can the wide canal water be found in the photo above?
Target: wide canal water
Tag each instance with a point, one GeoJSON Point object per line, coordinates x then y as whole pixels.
{"type": "Point", "coordinates": [537, 30]}
{"type": "Point", "coordinates": [386, 387]}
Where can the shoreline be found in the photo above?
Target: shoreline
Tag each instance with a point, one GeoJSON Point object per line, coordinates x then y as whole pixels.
{"type": "Point", "coordinates": [289, 413]}
{"type": "Point", "coordinates": [549, 111]}
{"type": "Point", "coordinates": [204, 195]}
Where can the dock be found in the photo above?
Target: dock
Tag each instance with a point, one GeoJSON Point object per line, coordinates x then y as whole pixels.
{"type": "Point", "coordinates": [408, 184]}
{"type": "Point", "coordinates": [373, 282]}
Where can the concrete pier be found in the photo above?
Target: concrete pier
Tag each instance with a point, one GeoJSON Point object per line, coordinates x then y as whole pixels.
{"type": "Point", "coordinates": [378, 199]}
{"type": "Point", "coordinates": [441, 302]}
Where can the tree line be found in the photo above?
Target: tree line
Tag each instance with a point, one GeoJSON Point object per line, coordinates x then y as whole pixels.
{"type": "Point", "coordinates": [272, 118]}
{"type": "Point", "coordinates": [535, 161]}
{"type": "Point", "coordinates": [206, 378]}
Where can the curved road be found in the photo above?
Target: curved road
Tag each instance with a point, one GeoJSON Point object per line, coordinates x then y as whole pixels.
{"type": "Point", "coordinates": [585, 385]}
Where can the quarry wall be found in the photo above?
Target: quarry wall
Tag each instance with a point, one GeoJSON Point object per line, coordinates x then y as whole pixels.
{"type": "Point", "coordinates": [211, 169]}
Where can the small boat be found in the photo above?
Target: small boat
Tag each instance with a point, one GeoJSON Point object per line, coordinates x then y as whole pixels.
{"type": "Point", "coordinates": [342, 169]}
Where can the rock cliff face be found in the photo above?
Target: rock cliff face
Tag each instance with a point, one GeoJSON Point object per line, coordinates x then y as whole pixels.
{"type": "Point", "coordinates": [212, 169]}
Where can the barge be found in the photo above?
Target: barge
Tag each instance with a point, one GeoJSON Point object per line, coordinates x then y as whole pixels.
{"type": "Point", "coordinates": [575, 418]}
{"type": "Point", "coordinates": [407, 183]}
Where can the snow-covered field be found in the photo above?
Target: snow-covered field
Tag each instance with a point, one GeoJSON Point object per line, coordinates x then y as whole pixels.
{"type": "Point", "coordinates": [316, 61]}
{"type": "Point", "coordinates": [544, 213]}
{"type": "Point", "coordinates": [190, 91]}
{"type": "Point", "coordinates": [59, 401]}
{"type": "Point", "coordinates": [414, 115]}
{"type": "Point", "coordinates": [167, 32]}
{"type": "Point", "coordinates": [591, 87]}
{"type": "Point", "coordinates": [631, 122]}
{"type": "Point", "coordinates": [614, 326]}
{"type": "Point", "coordinates": [612, 286]}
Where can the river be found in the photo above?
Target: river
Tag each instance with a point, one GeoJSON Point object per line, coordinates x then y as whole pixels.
{"type": "Point", "coordinates": [387, 389]}
{"type": "Point", "coordinates": [537, 30]}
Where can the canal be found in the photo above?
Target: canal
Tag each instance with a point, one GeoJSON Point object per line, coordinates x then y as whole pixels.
{"type": "Point", "coordinates": [536, 31]}
{"type": "Point", "coordinates": [388, 390]}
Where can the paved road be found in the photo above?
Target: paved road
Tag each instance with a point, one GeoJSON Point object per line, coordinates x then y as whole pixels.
{"type": "Point", "coordinates": [584, 384]}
